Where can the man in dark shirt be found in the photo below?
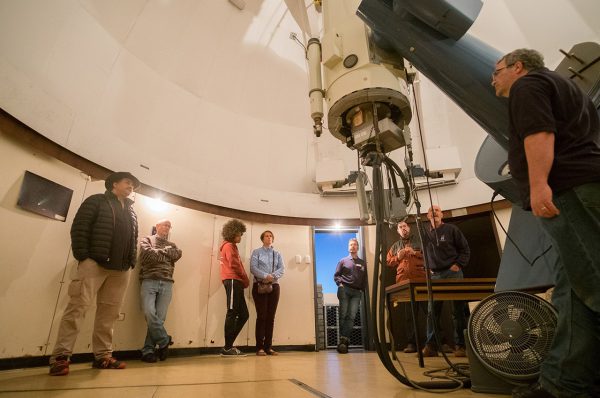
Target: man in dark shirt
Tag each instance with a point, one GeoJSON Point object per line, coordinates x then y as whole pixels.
{"type": "Point", "coordinates": [157, 260]}
{"type": "Point", "coordinates": [447, 253]}
{"type": "Point", "coordinates": [351, 278]}
{"type": "Point", "coordinates": [554, 156]}
{"type": "Point", "coordinates": [104, 241]}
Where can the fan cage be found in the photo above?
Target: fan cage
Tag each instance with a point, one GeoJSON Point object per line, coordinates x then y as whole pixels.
{"type": "Point", "coordinates": [511, 333]}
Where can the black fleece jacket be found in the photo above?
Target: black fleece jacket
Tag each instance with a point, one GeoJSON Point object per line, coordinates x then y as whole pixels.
{"type": "Point", "coordinates": [93, 228]}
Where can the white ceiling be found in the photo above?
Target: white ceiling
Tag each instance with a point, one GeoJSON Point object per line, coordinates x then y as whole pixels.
{"type": "Point", "coordinates": [213, 100]}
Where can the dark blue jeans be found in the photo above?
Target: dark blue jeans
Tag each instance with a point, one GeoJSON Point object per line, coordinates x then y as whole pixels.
{"type": "Point", "coordinates": [460, 313]}
{"type": "Point", "coordinates": [571, 365]}
{"type": "Point", "coordinates": [349, 305]}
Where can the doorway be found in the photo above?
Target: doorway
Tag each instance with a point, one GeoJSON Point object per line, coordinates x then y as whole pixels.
{"type": "Point", "coordinates": [331, 245]}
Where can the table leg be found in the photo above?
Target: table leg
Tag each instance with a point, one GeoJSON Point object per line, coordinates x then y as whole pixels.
{"type": "Point", "coordinates": [413, 304]}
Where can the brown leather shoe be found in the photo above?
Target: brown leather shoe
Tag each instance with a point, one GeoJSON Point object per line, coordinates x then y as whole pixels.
{"type": "Point", "coordinates": [261, 353]}
{"type": "Point", "coordinates": [429, 351]}
{"type": "Point", "coordinates": [410, 348]}
{"type": "Point", "coordinates": [271, 351]}
{"type": "Point", "coordinates": [60, 366]}
{"type": "Point", "coordinates": [460, 352]}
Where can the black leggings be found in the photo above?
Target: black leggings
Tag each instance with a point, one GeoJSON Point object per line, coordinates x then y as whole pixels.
{"type": "Point", "coordinates": [237, 311]}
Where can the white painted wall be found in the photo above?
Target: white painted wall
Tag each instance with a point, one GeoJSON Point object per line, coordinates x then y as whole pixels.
{"type": "Point", "coordinates": [213, 100]}
{"type": "Point", "coordinates": [36, 266]}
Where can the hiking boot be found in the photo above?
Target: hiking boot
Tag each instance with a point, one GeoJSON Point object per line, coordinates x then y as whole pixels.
{"type": "Point", "coordinates": [149, 357]}
{"type": "Point", "coordinates": [342, 348]}
{"type": "Point", "coordinates": [108, 363]}
{"type": "Point", "coordinates": [410, 348]}
{"type": "Point", "coordinates": [429, 351]}
{"type": "Point", "coordinates": [460, 352]}
{"type": "Point", "coordinates": [163, 352]}
{"type": "Point", "coordinates": [60, 366]}
{"type": "Point", "coordinates": [343, 344]}
{"type": "Point", "coordinates": [233, 352]}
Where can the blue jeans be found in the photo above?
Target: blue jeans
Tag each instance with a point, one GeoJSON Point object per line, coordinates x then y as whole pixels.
{"type": "Point", "coordinates": [349, 305]}
{"type": "Point", "coordinates": [460, 313]}
{"type": "Point", "coordinates": [571, 364]}
{"type": "Point", "coordinates": [156, 296]}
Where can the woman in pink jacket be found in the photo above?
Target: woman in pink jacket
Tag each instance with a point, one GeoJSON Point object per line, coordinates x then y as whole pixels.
{"type": "Point", "coordinates": [235, 280]}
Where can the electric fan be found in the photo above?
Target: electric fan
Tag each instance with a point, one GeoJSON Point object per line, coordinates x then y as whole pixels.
{"type": "Point", "coordinates": [509, 334]}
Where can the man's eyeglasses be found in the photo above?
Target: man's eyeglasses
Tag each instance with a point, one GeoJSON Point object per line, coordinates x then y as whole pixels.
{"type": "Point", "coordinates": [497, 71]}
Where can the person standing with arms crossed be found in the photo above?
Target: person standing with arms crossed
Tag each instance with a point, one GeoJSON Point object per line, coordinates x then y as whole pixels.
{"type": "Point", "coordinates": [157, 258]}
{"type": "Point", "coordinates": [406, 256]}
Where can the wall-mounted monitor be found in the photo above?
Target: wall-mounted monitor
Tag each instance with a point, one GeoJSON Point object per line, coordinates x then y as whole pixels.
{"type": "Point", "coordinates": [42, 196]}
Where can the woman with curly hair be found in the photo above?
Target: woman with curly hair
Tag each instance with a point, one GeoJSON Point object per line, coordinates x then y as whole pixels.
{"type": "Point", "coordinates": [235, 280]}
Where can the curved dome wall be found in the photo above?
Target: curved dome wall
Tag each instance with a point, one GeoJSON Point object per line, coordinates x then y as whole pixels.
{"type": "Point", "coordinates": [208, 102]}
{"type": "Point", "coordinates": [195, 98]}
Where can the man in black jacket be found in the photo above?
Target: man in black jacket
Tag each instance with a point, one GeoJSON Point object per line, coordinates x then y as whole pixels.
{"type": "Point", "coordinates": [447, 253]}
{"type": "Point", "coordinates": [104, 241]}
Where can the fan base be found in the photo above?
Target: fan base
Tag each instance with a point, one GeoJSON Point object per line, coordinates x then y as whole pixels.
{"type": "Point", "coordinates": [482, 380]}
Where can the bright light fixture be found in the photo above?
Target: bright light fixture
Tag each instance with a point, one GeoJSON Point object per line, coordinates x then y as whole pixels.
{"type": "Point", "coordinates": [156, 204]}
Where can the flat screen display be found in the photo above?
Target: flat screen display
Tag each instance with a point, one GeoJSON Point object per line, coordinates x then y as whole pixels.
{"type": "Point", "coordinates": [42, 196]}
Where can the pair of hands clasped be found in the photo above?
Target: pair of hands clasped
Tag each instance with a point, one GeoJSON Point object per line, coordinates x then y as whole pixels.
{"type": "Point", "coordinates": [406, 251]}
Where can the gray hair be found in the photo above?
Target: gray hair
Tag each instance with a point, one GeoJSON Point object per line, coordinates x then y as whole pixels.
{"type": "Point", "coordinates": [531, 59]}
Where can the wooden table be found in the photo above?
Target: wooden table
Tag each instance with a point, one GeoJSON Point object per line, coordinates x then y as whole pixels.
{"type": "Point", "coordinates": [414, 290]}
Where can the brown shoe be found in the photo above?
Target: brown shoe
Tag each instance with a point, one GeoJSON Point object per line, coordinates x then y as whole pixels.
{"type": "Point", "coordinates": [460, 352]}
{"type": "Point", "coordinates": [271, 351]}
{"type": "Point", "coordinates": [60, 366]}
{"type": "Point", "coordinates": [429, 351]}
{"type": "Point", "coordinates": [261, 353]}
{"type": "Point", "coordinates": [410, 348]}
{"type": "Point", "coordinates": [447, 349]}
{"type": "Point", "coordinates": [108, 363]}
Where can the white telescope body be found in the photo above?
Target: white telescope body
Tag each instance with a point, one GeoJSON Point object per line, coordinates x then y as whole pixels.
{"type": "Point", "coordinates": [359, 82]}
